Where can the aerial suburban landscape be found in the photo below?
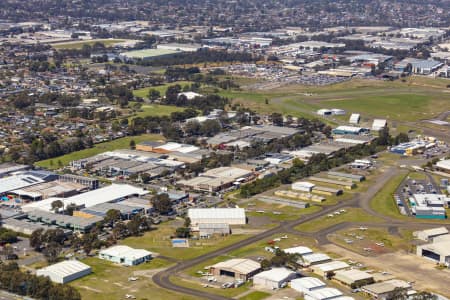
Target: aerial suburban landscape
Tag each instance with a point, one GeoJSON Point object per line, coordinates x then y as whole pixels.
{"type": "Point", "coordinates": [205, 149]}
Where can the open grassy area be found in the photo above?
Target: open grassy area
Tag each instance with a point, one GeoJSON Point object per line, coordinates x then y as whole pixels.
{"type": "Point", "coordinates": [383, 202]}
{"type": "Point", "coordinates": [370, 238]}
{"type": "Point", "coordinates": [277, 212]}
{"type": "Point", "coordinates": [122, 143]}
{"type": "Point", "coordinates": [424, 98]}
{"type": "Point", "coordinates": [157, 110]}
{"type": "Point", "coordinates": [80, 44]}
{"type": "Point", "coordinates": [110, 281]}
{"type": "Point", "coordinates": [143, 93]}
{"type": "Point", "coordinates": [256, 295]}
{"type": "Point", "coordinates": [350, 215]}
{"type": "Point", "coordinates": [159, 241]}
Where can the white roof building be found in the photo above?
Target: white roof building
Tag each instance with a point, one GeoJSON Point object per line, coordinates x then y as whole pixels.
{"type": "Point", "coordinates": [274, 278]}
{"type": "Point", "coordinates": [110, 193]}
{"type": "Point", "coordinates": [323, 294]}
{"type": "Point", "coordinates": [125, 255]}
{"type": "Point", "coordinates": [332, 266]}
{"type": "Point", "coordinates": [15, 182]}
{"type": "Point", "coordinates": [190, 95]}
{"type": "Point", "coordinates": [379, 124]}
{"type": "Point", "coordinates": [304, 186]}
{"type": "Point", "coordinates": [230, 216]}
{"type": "Point", "coordinates": [315, 258]}
{"type": "Point", "coordinates": [300, 250]}
{"type": "Point", "coordinates": [65, 271]}
{"type": "Point", "coordinates": [307, 284]}
{"type": "Point", "coordinates": [429, 234]}
{"type": "Point", "coordinates": [354, 118]}
{"type": "Point", "coordinates": [352, 276]}
{"type": "Point", "coordinates": [444, 165]}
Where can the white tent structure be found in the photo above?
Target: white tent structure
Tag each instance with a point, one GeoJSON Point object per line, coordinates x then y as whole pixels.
{"type": "Point", "coordinates": [65, 271]}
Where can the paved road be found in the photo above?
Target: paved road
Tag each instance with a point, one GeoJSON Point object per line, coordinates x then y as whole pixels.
{"type": "Point", "coordinates": [361, 200]}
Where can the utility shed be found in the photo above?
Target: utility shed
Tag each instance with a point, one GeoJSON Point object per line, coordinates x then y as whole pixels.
{"type": "Point", "coordinates": [65, 271]}
{"type": "Point", "coordinates": [125, 255]}
{"type": "Point", "coordinates": [274, 278]}
{"type": "Point", "coordinates": [307, 284]}
{"type": "Point", "coordinates": [230, 216]}
{"type": "Point", "coordinates": [237, 268]}
{"type": "Point", "coordinates": [384, 290]}
{"type": "Point", "coordinates": [353, 278]}
{"type": "Point", "coordinates": [429, 234]}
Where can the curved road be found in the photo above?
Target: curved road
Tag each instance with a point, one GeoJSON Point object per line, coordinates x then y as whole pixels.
{"type": "Point", "coordinates": [162, 278]}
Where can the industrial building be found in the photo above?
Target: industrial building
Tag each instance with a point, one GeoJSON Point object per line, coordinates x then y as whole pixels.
{"type": "Point", "coordinates": [217, 179]}
{"type": "Point", "coordinates": [274, 279]}
{"type": "Point", "coordinates": [206, 230]}
{"type": "Point", "coordinates": [125, 255]}
{"type": "Point", "coordinates": [323, 294]}
{"type": "Point", "coordinates": [15, 182]}
{"type": "Point", "coordinates": [438, 251]}
{"type": "Point", "coordinates": [91, 183]}
{"type": "Point", "coordinates": [345, 184]}
{"type": "Point", "coordinates": [346, 176]}
{"type": "Point", "coordinates": [79, 224]}
{"type": "Point", "coordinates": [50, 189]}
{"type": "Point", "coordinates": [109, 194]}
{"type": "Point", "coordinates": [353, 278]}
{"type": "Point", "coordinates": [315, 259]}
{"type": "Point", "coordinates": [341, 130]}
{"type": "Point", "coordinates": [384, 290]}
{"type": "Point", "coordinates": [65, 271]}
{"type": "Point", "coordinates": [429, 234]}
{"type": "Point", "coordinates": [7, 169]}
{"type": "Point", "coordinates": [411, 148]}
{"type": "Point", "coordinates": [148, 54]}
{"type": "Point", "coordinates": [303, 186]}
{"type": "Point", "coordinates": [299, 250]}
{"type": "Point", "coordinates": [102, 209]}
{"type": "Point", "coordinates": [24, 226]}
{"type": "Point", "coordinates": [332, 266]}
{"type": "Point", "coordinates": [354, 119]}
{"type": "Point", "coordinates": [443, 165]}
{"type": "Point", "coordinates": [237, 268]}
{"type": "Point", "coordinates": [379, 124]}
{"type": "Point", "coordinates": [307, 284]}
{"type": "Point", "coordinates": [230, 216]}
{"type": "Point", "coordinates": [429, 206]}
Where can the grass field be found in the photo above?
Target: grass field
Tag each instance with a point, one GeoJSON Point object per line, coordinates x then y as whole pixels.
{"type": "Point", "coordinates": [413, 100]}
{"type": "Point", "coordinates": [80, 44]}
{"type": "Point", "coordinates": [284, 212]}
{"type": "Point", "coordinates": [122, 143]}
{"type": "Point", "coordinates": [157, 110]}
{"type": "Point", "coordinates": [143, 93]}
{"type": "Point", "coordinates": [256, 295]}
{"type": "Point", "coordinates": [351, 215]}
{"type": "Point", "coordinates": [109, 281]}
{"type": "Point", "coordinates": [159, 241]}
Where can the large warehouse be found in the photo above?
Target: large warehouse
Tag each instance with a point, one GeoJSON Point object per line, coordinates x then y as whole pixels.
{"type": "Point", "coordinates": [307, 284]}
{"type": "Point", "coordinates": [274, 279]}
{"type": "Point", "coordinates": [237, 268]}
{"type": "Point", "coordinates": [108, 194]}
{"type": "Point", "coordinates": [125, 255]}
{"type": "Point", "coordinates": [65, 271]}
{"type": "Point", "coordinates": [230, 216]}
{"type": "Point", "coordinates": [438, 251]}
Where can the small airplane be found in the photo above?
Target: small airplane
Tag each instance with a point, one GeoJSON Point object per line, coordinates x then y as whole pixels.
{"type": "Point", "coordinates": [367, 249]}
{"type": "Point", "coordinates": [380, 244]}
{"type": "Point", "coordinates": [284, 237]}
{"type": "Point", "coordinates": [363, 228]}
{"type": "Point", "coordinates": [132, 278]}
{"type": "Point", "coordinates": [128, 296]}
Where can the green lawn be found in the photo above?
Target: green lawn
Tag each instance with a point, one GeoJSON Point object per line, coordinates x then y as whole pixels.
{"type": "Point", "coordinates": [143, 93]}
{"type": "Point", "coordinates": [110, 281]}
{"type": "Point", "coordinates": [159, 241]}
{"type": "Point", "coordinates": [282, 212]}
{"type": "Point", "coordinates": [351, 215]}
{"type": "Point", "coordinates": [413, 100]}
{"type": "Point", "coordinates": [383, 202]}
{"type": "Point", "coordinates": [157, 110]}
{"type": "Point", "coordinates": [256, 295]}
{"type": "Point", "coordinates": [122, 143]}
{"type": "Point", "coordinates": [80, 44]}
